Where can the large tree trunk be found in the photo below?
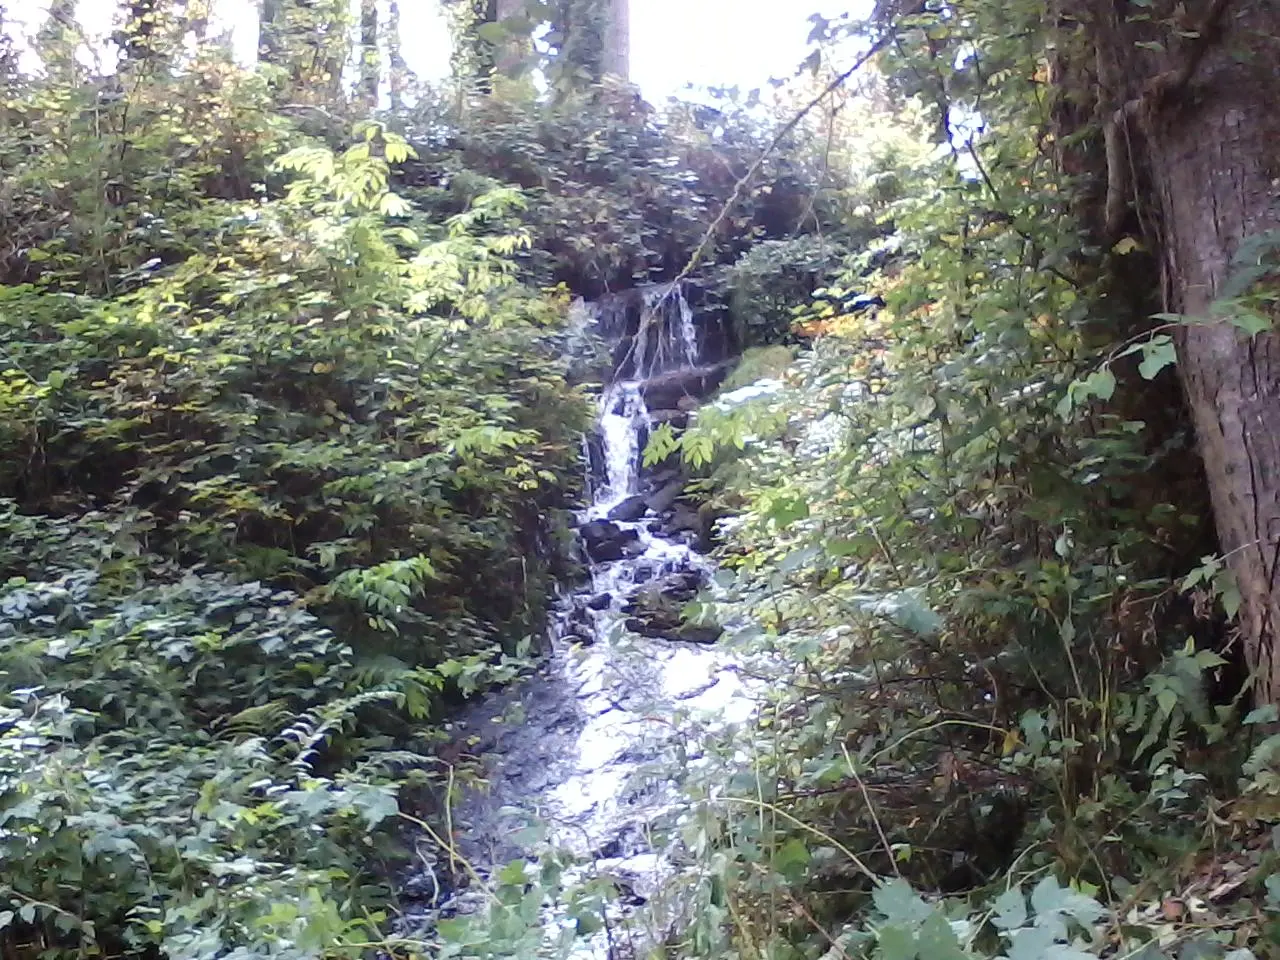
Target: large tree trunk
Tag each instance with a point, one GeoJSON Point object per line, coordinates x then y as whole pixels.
{"type": "Point", "coordinates": [1214, 150]}
{"type": "Point", "coordinates": [617, 40]}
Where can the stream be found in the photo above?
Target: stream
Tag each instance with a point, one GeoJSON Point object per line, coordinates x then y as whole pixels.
{"type": "Point", "coordinates": [584, 746]}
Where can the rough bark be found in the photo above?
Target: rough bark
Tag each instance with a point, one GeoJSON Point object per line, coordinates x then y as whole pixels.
{"type": "Point", "coordinates": [1214, 148]}
{"type": "Point", "coordinates": [370, 59]}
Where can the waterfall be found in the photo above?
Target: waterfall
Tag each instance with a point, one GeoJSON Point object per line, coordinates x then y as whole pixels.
{"type": "Point", "coordinates": [621, 654]}
{"type": "Point", "coordinates": [623, 420]}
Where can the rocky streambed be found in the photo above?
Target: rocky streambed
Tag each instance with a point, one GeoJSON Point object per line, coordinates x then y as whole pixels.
{"type": "Point", "coordinates": [583, 746]}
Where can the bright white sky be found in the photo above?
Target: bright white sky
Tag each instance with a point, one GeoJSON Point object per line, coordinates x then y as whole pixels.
{"type": "Point", "coordinates": [673, 42]}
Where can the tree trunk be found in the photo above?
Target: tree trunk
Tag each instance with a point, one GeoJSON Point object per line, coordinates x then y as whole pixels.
{"type": "Point", "coordinates": [617, 40]}
{"type": "Point", "coordinates": [269, 31]}
{"type": "Point", "coordinates": [370, 59]}
{"type": "Point", "coordinates": [399, 70]}
{"type": "Point", "coordinates": [1214, 150]}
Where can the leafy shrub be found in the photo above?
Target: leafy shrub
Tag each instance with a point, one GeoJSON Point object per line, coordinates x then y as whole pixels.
{"type": "Point", "coordinates": [272, 494]}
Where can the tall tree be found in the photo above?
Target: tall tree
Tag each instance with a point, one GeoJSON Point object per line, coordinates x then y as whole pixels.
{"type": "Point", "coordinates": [370, 59]}
{"type": "Point", "coordinates": [1184, 94]}
{"type": "Point", "coordinates": [490, 37]}
{"type": "Point", "coordinates": [398, 69]}
{"type": "Point", "coordinates": [57, 41]}
{"type": "Point", "coordinates": [617, 39]}
{"type": "Point", "coordinates": [593, 39]}
{"type": "Point", "coordinates": [309, 38]}
{"type": "Point", "coordinates": [1207, 109]}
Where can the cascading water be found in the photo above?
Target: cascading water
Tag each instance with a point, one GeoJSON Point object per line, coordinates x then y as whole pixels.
{"type": "Point", "coordinates": [574, 746]}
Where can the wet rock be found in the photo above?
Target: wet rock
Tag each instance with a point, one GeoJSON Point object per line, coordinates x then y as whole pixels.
{"type": "Point", "coordinates": [662, 499]}
{"type": "Point", "coordinates": [661, 477]}
{"type": "Point", "coordinates": [611, 849]}
{"type": "Point", "coordinates": [600, 601]}
{"type": "Point", "coordinates": [688, 524]}
{"type": "Point", "coordinates": [614, 550]}
{"type": "Point", "coordinates": [698, 633]}
{"type": "Point", "coordinates": [647, 628]}
{"type": "Point", "coordinates": [419, 887]}
{"type": "Point", "coordinates": [623, 355]}
{"type": "Point", "coordinates": [664, 628]}
{"type": "Point", "coordinates": [684, 517]}
{"type": "Point", "coordinates": [578, 620]}
{"type": "Point", "coordinates": [679, 419]}
{"type": "Point", "coordinates": [654, 611]}
{"type": "Point", "coordinates": [632, 508]}
{"type": "Point", "coordinates": [596, 467]}
{"type": "Point", "coordinates": [605, 541]}
{"type": "Point", "coordinates": [683, 585]}
{"type": "Point", "coordinates": [599, 531]}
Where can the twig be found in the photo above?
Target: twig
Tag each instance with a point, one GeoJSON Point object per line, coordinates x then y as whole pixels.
{"type": "Point", "coordinates": [738, 188]}
{"type": "Point", "coordinates": [871, 809]}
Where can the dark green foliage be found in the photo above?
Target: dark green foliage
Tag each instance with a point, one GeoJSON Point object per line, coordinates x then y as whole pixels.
{"type": "Point", "coordinates": [959, 562]}
{"type": "Point", "coordinates": [283, 460]}
{"type": "Point", "coordinates": [617, 194]}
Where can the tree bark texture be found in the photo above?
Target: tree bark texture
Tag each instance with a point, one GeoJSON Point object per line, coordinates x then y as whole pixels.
{"type": "Point", "coordinates": [1213, 147]}
{"type": "Point", "coordinates": [617, 40]}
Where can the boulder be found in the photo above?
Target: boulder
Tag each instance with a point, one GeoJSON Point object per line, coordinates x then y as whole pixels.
{"type": "Point", "coordinates": [698, 632]}
{"type": "Point", "coordinates": [662, 499]}
{"type": "Point", "coordinates": [684, 517]}
{"type": "Point", "coordinates": [661, 477]}
{"type": "Point", "coordinates": [600, 601]}
{"type": "Point", "coordinates": [605, 541]}
{"type": "Point", "coordinates": [654, 610]}
{"type": "Point", "coordinates": [632, 508]}
{"type": "Point", "coordinates": [656, 629]}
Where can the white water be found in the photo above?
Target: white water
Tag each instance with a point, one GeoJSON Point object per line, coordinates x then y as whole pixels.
{"type": "Point", "coordinates": [591, 753]}
{"type": "Point", "coordinates": [623, 416]}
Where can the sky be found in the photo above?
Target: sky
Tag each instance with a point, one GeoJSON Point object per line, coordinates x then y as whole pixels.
{"type": "Point", "coordinates": [673, 42]}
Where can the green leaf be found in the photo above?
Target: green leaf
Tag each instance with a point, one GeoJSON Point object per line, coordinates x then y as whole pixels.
{"type": "Point", "coordinates": [1010, 909]}
{"type": "Point", "coordinates": [513, 874]}
{"type": "Point", "coordinates": [1267, 713]}
{"type": "Point", "coordinates": [1157, 354]}
{"type": "Point", "coordinates": [900, 905]}
{"type": "Point", "coordinates": [1101, 383]}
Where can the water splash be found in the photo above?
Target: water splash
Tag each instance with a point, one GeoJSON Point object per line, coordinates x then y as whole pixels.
{"type": "Point", "coordinates": [598, 722]}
